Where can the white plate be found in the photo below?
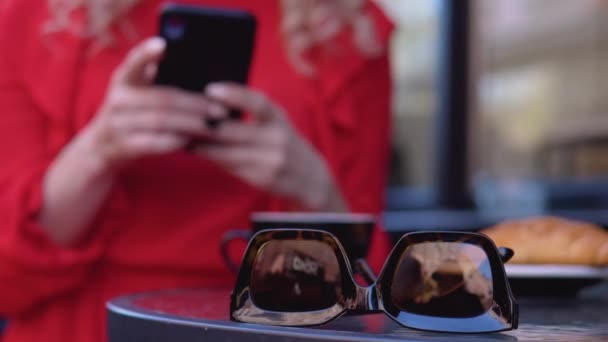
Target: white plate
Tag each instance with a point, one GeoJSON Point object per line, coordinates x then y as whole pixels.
{"type": "Point", "coordinates": [556, 271]}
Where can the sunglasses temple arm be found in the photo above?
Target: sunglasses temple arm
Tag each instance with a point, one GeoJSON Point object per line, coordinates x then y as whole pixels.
{"type": "Point", "coordinates": [505, 253]}
{"type": "Point", "coordinates": [363, 268]}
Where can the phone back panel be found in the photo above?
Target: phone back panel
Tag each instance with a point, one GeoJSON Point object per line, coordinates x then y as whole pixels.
{"type": "Point", "coordinates": [205, 45]}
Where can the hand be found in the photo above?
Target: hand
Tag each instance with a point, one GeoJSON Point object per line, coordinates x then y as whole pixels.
{"type": "Point", "coordinates": [138, 119]}
{"type": "Point", "coordinates": [268, 153]}
{"type": "Point", "coordinates": [135, 120]}
{"type": "Point", "coordinates": [311, 23]}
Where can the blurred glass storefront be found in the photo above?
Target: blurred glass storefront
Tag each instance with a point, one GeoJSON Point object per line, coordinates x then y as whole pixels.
{"type": "Point", "coordinates": [414, 57]}
{"type": "Point", "coordinates": [542, 67]}
{"type": "Point", "coordinates": [538, 122]}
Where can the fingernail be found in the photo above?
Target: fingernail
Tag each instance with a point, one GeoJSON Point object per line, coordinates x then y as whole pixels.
{"type": "Point", "coordinates": [157, 43]}
{"type": "Point", "coordinates": [216, 90]}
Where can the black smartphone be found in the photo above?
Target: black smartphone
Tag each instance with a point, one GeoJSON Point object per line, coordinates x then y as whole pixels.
{"type": "Point", "coordinates": [204, 45]}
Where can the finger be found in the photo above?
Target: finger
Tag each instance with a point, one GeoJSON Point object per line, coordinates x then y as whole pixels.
{"type": "Point", "coordinates": [150, 73]}
{"type": "Point", "coordinates": [134, 69]}
{"type": "Point", "coordinates": [265, 137]}
{"type": "Point", "coordinates": [230, 156]}
{"type": "Point", "coordinates": [173, 99]}
{"type": "Point", "coordinates": [233, 133]}
{"type": "Point", "coordinates": [161, 122]}
{"type": "Point", "coordinates": [146, 143]}
{"type": "Point", "coordinates": [240, 97]}
{"type": "Point", "coordinates": [239, 159]}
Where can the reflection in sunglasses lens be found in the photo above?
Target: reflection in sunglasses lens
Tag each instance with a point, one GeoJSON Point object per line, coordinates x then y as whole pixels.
{"type": "Point", "coordinates": [443, 279]}
{"type": "Point", "coordinates": [295, 276]}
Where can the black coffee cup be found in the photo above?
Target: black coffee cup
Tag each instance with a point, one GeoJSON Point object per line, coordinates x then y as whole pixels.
{"type": "Point", "coordinates": [354, 231]}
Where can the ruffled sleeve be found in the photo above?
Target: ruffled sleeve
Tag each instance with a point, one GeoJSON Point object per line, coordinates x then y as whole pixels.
{"type": "Point", "coordinates": [340, 62]}
{"type": "Point", "coordinates": [353, 92]}
{"type": "Point", "coordinates": [356, 94]}
{"type": "Point", "coordinates": [32, 268]}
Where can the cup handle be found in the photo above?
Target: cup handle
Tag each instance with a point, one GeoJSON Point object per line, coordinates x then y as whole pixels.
{"type": "Point", "coordinates": [229, 237]}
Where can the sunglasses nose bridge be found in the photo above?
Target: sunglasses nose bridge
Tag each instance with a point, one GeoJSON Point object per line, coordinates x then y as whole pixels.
{"type": "Point", "coordinates": [366, 300]}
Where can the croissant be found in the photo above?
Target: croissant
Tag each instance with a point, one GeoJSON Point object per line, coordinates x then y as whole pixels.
{"type": "Point", "coordinates": [552, 240]}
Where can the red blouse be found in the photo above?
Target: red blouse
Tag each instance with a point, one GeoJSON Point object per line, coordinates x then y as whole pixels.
{"type": "Point", "coordinates": [163, 222]}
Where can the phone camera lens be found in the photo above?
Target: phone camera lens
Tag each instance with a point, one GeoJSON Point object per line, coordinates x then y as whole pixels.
{"type": "Point", "coordinates": [174, 28]}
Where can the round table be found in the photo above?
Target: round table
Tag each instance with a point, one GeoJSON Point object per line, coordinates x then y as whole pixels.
{"type": "Point", "coordinates": [202, 315]}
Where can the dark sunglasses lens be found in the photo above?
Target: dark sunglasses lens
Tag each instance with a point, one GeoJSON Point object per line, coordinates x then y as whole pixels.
{"type": "Point", "coordinates": [295, 276]}
{"type": "Point", "coordinates": [443, 279]}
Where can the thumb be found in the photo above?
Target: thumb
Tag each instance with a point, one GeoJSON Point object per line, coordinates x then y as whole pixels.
{"type": "Point", "coordinates": [133, 69]}
{"type": "Point", "coordinates": [240, 97]}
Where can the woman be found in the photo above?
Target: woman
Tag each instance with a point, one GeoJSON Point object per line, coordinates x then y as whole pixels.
{"type": "Point", "coordinates": [98, 197]}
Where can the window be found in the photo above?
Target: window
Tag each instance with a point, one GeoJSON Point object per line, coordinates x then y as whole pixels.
{"type": "Point", "coordinates": [536, 122]}
{"type": "Point", "coordinates": [541, 124]}
{"type": "Point", "coordinates": [414, 52]}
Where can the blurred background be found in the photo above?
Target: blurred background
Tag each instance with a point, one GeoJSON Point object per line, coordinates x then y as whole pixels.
{"type": "Point", "coordinates": [500, 110]}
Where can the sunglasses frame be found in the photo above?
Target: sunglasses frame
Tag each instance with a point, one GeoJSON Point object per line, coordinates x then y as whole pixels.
{"type": "Point", "coordinates": [356, 299]}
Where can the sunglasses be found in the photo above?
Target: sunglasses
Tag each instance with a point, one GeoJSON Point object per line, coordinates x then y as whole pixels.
{"type": "Point", "coordinates": [434, 281]}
